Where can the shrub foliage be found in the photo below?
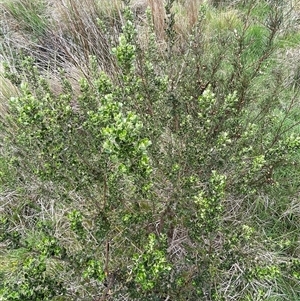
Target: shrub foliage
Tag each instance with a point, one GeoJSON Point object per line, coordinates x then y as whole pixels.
{"type": "Point", "coordinates": [164, 179]}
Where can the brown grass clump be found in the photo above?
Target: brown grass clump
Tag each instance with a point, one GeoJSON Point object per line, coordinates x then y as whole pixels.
{"type": "Point", "coordinates": [64, 34]}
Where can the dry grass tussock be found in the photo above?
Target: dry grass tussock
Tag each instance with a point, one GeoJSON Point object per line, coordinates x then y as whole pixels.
{"type": "Point", "coordinates": [59, 31]}
{"type": "Point", "coordinates": [64, 34]}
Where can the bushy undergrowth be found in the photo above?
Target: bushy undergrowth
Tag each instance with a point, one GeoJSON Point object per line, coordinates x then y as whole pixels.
{"type": "Point", "coordinates": [144, 159]}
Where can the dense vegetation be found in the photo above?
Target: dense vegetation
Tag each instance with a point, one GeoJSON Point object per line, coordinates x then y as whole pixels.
{"type": "Point", "coordinates": [149, 153]}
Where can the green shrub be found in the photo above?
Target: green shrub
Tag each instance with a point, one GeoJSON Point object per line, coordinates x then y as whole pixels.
{"type": "Point", "coordinates": [159, 181]}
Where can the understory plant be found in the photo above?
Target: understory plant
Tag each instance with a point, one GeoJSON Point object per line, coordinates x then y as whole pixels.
{"type": "Point", "coordinates": [163, 179]}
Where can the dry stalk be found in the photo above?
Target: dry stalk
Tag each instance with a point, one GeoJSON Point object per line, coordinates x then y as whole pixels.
{"type": "Point", "coordinates": [159, 16]}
